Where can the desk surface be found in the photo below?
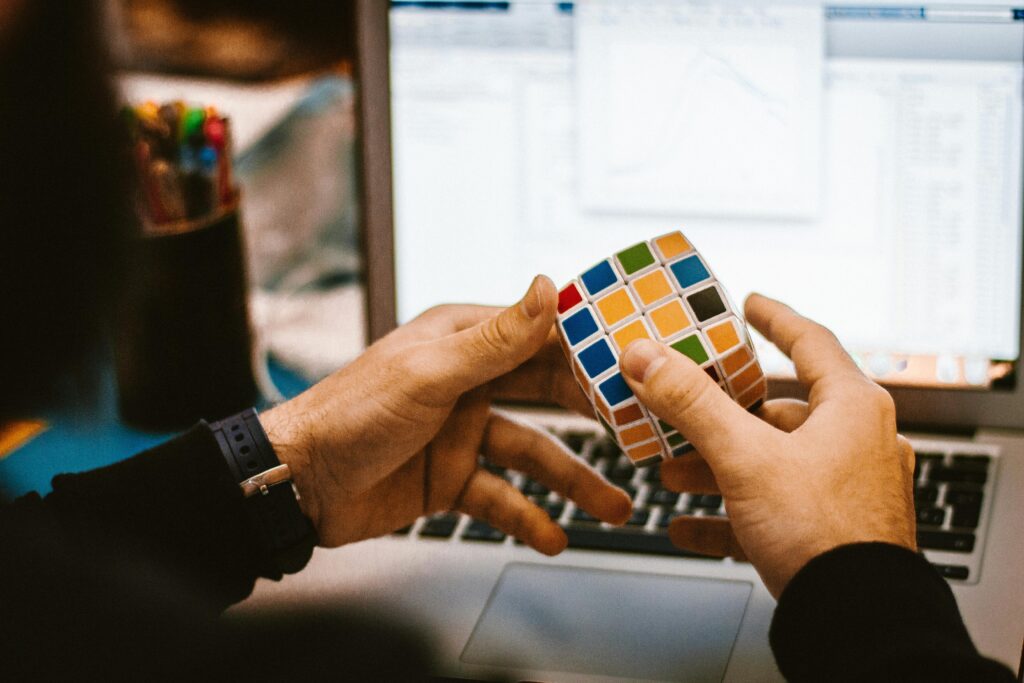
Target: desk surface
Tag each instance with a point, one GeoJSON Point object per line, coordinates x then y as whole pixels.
{"type": "Point", "coordinates": [84, 437]}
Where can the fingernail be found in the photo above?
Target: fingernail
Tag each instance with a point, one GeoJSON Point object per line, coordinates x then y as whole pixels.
{"type": "Point", "coordinates": [641, 359]}
{"type": "Point", "coordinates": [532, 304]}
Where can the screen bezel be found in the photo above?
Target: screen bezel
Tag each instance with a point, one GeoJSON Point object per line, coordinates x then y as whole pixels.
{"type": "Point", "coordinates": [926, 408]}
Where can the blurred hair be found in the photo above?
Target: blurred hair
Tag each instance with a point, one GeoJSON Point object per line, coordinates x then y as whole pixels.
{"type": "Point", "coordinates": [63, 200]}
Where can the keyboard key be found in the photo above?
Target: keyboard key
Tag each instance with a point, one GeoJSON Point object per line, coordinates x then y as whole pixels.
{"type": "Point", "coordinates": [639, 518]}
{"type": "Point", "coordinates": [652, 474]}
{"type": "Point", "coordinates": [926, 494]}
{"type": "Point", "coordinates": [667, 516]}
{"type": "Point", "coordinates": [931, 516]}
{"type": "Point", "coordinates": [441, 526]}
{"type": "Point", "coordinates": [482, 531]}
{"type": "Point", "coordinates": [581, 515]}
{"type": "Point", "coordinates": [554, 509]}
{"type": "Point", "coordinates": [629, 489]}
{"type": "Point", "coordinates": [533, 488]}
{"type": "Point", "coordinates": [963, 496]}
{"type": "Point", "coordinates": [966, 516]}
{"type": "Point", "coordinates": [706, 502]}
{"type": "Point", "coordinates": [621, 472]}
{"type": "Point", "coordinates": [663, 497]}
{"type": "Point", "coordinates": [946, 540]}
{"type": "Point", "coordinates": [951, 571]}
{"type": "Point", "coordinates": [958, 475]}
{"type": "Point", "coordinates": [970, 458]}
{"type": "Point", "coordinates": [604, 449]}
{"type": "Point", "coordinates": [969, 465]}
{"type": "Point", "coordinates": [596, 538]}
{"type": "Point", "coordinates": [576, 440]}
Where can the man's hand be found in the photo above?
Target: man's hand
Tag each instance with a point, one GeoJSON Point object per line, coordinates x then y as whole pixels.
{"type": "Point", "coordinates": [802, 479]}
{"type": "Point", "coordinates": [398, 433]}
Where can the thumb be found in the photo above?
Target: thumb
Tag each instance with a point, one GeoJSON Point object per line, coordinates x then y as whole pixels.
{"type": "Point", "coordinates": [675, 389]}
{"type": "Point", "coordinates": [462, 361]}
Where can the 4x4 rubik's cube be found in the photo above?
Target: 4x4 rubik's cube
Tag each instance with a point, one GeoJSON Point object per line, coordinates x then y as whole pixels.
{"type": "Point", "coordinates": [662, 290]}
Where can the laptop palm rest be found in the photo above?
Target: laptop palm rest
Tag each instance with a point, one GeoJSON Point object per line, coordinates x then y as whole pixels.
{"type": "Point", "coordinates": [594, 621]}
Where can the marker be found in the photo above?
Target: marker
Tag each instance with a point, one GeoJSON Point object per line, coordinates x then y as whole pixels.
{"type": "Point", "coordinates": [215, 131]}
{"type": "Point", "coordinates": [147, 110]}
{"type": "Point", "coordinates": [152, 194]}
{"type": "Point", "coordinates": [192, 126]}
{"type": "Point", "coordinates": [168, 113]}
{"type": "Point", "coordinates": [168, 187]}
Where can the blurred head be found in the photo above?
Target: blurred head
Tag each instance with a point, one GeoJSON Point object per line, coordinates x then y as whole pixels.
{"type": "Point", "coordinates": [62, 198]}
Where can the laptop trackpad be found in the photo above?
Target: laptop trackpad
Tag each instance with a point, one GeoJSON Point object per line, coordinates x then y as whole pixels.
{"type": "Point", "coordinates": [613, 623]}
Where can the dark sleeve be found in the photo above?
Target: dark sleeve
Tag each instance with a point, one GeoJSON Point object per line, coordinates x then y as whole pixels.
{"type": "Point", "coordinates": [175, 505]}
{"type": "Point", "coordinates": [874, 612]}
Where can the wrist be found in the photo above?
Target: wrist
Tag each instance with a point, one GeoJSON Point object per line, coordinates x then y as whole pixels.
{"type": "Point", "coordinates": [290, 444]}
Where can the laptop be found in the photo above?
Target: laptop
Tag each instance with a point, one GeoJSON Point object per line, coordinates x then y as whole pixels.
{"type": "Point", "coordinates": [862, 163]}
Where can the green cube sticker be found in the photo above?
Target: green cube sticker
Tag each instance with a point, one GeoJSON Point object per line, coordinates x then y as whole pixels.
{"type": "Point", "coordinates": [635, 258]}
{"type": "Point", "coordinates": [665, 426]}
{"type": "Point", "coordinates": [675, 439]}
{"type": "Point", "coordinates": [691, 347]}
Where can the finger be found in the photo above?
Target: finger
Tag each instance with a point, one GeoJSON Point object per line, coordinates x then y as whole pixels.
{"type": "Point", "coordinates": [545, 378]}
{"type": "Point", "coordinates": [706, 535]}
{"type": "Point", "coordinates": [543, 458]}
{"type": "Point", "coordinates": [786, 414]}
{"type": "Point", "coordinates": [495, 501]}
{"type": "Point", "coordinates": [689, 473]}
{"type": "Point", "coordinates": [456, 363]}
{"type": "Point", "coordinates": [675, 389]}
{"type": "Point", "coordinates": [445, 319]}
{"type": "Point", "coordinates": [814, 350]}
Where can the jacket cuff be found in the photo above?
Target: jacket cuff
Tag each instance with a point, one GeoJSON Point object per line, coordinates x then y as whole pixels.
{"type": "Point", "coordinates": [176, 502]}
{"type": "Point", "coordinates": [868, 611]}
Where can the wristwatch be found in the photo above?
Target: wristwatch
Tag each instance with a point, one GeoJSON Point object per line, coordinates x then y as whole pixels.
{"type": "Point", "coordinates": [287, 535]}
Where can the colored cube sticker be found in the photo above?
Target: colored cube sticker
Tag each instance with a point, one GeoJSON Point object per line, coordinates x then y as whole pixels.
{"type": "Point", "coordinates": [599, 278]}
{"type": "Point", "coordinates": [635, 259]}
{"type": "Point", "coordinates": [569, 297]}
{"type": "Point", "coordinates": [660, 289]}
{"type": "Point", "coordinates": [630, 333]}
{"type": "Point", "coordinates": [671, 245]}
{"type": "Point", "coordinates": [651, 288]}
{"type": "Point", "coordinates": [706, 304]}
{"type": "Point", "coordinates": [615, 307]}
{"type": "Point", "coordinates": [689, 271]}
{"type": "Point", "coordinates": [692, 347]}
{"type": "Point", "coordinates": [597, 358]}
{"type": "Point", "coordinates": [671, 319]}
{"type": "Point", "coordinates": [579, 326]}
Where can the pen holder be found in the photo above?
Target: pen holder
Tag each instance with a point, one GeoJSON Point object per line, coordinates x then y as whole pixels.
{"type": "Point", "coordinates": [183, 343]}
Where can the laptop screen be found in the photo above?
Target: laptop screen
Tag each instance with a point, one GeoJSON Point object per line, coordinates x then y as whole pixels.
{"type": "Point", "coordinates": [861, 163]}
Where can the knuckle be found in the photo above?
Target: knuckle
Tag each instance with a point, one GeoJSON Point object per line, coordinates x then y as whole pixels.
{"type": "Point", "coordinates": [882, 401]}
{"type": "Point", "coordinates": [438, 312]}
{"type": "Point", "coordinates": [495, 336]}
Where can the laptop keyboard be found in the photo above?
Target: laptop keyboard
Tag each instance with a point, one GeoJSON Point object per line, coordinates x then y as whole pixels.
{"type": "Point", "coordinates": [950, 486]}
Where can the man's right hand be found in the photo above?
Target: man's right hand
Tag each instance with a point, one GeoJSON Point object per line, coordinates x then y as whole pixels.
{"type": "Point", "coordinates": [802, 479]}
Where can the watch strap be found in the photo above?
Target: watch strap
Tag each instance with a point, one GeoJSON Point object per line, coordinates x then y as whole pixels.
{"type": "Point", "coordinates": [287, 535]}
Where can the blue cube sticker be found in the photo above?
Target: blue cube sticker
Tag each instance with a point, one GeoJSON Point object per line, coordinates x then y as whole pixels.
{"type": "Point", "coordinates": [689, 272]}
{"type": "Point", "coordinates": [615, 390]}
{"type": "Point", "coordinates": [597, 358]}
{"type": "Point", "coordinates": [599, 278]}
{"type": "Point", "coordinates": [579, 326]}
